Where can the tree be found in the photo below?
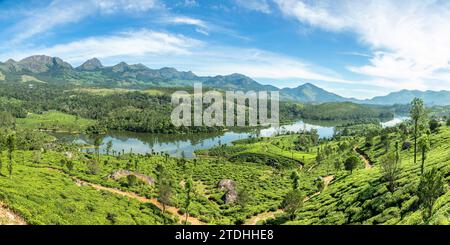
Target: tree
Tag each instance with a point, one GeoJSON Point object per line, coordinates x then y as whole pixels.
{"type": "Point", "coordinates": [69, 165]}
{"type": "Point", "coordinates": [97, 143]}
{"type": "Point", "coordinates": [448, 122]}
{"type": "Point", "coordinates": [295, 177]}
{"type": "Point", "coordinates": [351, 163]}
{"type": "Point", "coordinates": [1, 154]}
{"type": "Point", "coordinates": [431, 187]}
{"type": "Point", "coordinates": [390, 168]}
{"type": "Point", "coordinates": [434, 124]}
{"type": "Point", "coordinates": [132, 180]}
{"type": "Point", "coordinates": [164, 186]}
{"type": "Point", "coordinates": [424, 146]}
{"type": "Point", "coordinates": [189, 188]}
{"type": "Point", "coordinates": [11, 144]}
{"type": "Point", "coordinates": [337, 164]}
{"type": "Point", "coordinates": [243, 198]}
{"type": "Point", "coordinates": [109, 147]}
{"type": "Point", "coordinates": [164, 192]}
{"type": "Point", "coordinates": [417, 113]}
{"type": "Point", "coordinates": [292, 202]}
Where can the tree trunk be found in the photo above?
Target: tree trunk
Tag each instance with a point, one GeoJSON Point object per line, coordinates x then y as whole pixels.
{"type": "Point", "coordinates": [423, 160]}
{"type": "Point", "coordinates": [415, 141]}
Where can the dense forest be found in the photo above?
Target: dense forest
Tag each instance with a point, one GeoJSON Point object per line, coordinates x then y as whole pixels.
{"type": "Point", "coordinates": [146, 110]}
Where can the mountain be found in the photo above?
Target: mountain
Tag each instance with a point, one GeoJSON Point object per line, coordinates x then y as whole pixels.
{"type": "Point", "coordinates": [309, 93]}
{"type": "Point", "coordinates": [405, 96]}
{"type": "Point", "coordinates": [122, 75]}
{"type": "Point", "coordinates": [236, 82]}
{"type": "Point", "coordinates": [90, 65]}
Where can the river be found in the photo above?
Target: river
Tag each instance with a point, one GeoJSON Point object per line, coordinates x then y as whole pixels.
{"type": "Point", "coordinates": [187, 144]}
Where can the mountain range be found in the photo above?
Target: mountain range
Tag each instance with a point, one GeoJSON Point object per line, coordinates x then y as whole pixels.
{"type": "Point", "coordinates": [41, 68]}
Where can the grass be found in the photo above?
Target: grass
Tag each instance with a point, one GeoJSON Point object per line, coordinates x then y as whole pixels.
{"type": "Point", "coordinates": [360, 197]}
{"type": "Point", "coordinates": [43, 196]}
{"type": "Point", "coordinates": [363, 197]}
{"type": "Point", "coordinates": [54, 121]}
{"type": "Point", "coordinates": [27, 78]}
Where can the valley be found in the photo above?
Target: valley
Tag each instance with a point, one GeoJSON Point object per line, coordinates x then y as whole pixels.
{"type": "Point", "coordinates": [95, 145]}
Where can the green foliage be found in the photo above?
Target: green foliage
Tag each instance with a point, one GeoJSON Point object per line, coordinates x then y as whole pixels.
{"type": "Point", "coordinates": [390, 168]}
{"type": "Point", "coordinates": [351, 163]}
{"type": "Point", "coordinates": [430, 188]}
{"type": "Point", "coordinates": [292, 202]}
{"type": "Point", "coordinates": [344, 111]}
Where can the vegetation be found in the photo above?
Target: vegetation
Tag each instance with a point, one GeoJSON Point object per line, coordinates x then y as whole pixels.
{"type": "Point", "coordinates": [297, 177]}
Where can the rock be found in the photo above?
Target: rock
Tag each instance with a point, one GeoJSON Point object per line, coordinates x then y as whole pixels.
{"type": "Point", "coordinates": [124, 173]}
{"type": "Point", "coordinates": [231, 194]}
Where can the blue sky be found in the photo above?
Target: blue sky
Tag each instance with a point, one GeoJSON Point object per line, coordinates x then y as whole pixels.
{"type": "Point", "coordinates": [354, 48]}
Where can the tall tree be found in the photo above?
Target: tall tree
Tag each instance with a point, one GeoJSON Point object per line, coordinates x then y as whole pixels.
{"type": "Point", "coordinates": [424, 146]}
{"type": "Point", "coordinates": [351, 163]}
{"type": "Point", "coordinates": [11, 144]}
{"type": "Point", "coordinates": [97, 143]}
{"type": "Point", "coordinates": [109, 147]}
{"type": "Point", "coordinates": [189, 189]}
{"type": "Point", "coordinates": [292, 202]}
{"type": "Point", "coordinates": [390, 169]}
{"type": "Point", "coordinates": [418, 114]}
{"type": "Point", "coordinates": [295, 177]}
{"type": "Point", "coordinates": [431, 187]}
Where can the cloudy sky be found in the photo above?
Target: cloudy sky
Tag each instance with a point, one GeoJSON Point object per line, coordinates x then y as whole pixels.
{"type": "Point", "coordinates": [354, 48]}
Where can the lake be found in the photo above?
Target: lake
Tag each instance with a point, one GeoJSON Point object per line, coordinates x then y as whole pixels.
{"type": "Point", "coordinates": [187, 144]}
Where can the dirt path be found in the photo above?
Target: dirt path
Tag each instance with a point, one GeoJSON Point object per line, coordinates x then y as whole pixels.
{"type": "Point", "coordinates": [169, 209]}
{"type": "Point", "coordinates": [364, 158]}
{"type": "Point", "coordinates": [8, 217]}
{"type": "Point", "coordinates": [269, 215]}
{"type": "Point", "coordinates": [172, 210]}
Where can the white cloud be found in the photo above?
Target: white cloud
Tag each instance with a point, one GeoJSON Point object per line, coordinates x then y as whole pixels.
{"type": "Point", "coordinates": [61, 12]}
{"type": "Point", "coordinates": [111, 6]}
{"type": "Point", "coordinates": [128, 44]}
{"type": "Point", "coordinates": [257, 5]}
{"type": "Point", "coordinates": [409, 39]}
{"type": "Point", "coordinates": [158, 49]}
{"type": "Point", "coordinates": [201, 26]}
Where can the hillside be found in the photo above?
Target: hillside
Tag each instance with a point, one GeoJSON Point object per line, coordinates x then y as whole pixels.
{"type": "Point", "coordinates": [138, 76]}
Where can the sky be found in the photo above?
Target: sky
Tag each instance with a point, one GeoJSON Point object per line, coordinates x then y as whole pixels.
{"type": "Point", "coordinates": [357, 49]}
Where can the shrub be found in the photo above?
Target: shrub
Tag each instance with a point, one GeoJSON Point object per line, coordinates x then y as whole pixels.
{"type": "Point", "coordinates": [406, 145]}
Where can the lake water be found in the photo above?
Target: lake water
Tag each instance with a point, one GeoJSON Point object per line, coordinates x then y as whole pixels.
{"type": "Point", "coordinates": [187, 144]}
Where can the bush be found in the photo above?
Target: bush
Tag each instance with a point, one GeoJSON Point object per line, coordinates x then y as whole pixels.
{"type": "Point", "coordinates": [406, 145]}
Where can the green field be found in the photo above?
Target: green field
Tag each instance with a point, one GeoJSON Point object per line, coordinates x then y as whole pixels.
{"type": "Point", "coordinates": [54, 121]}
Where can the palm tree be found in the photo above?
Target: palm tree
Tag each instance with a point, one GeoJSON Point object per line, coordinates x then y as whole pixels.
{"type": "Point", "coordinates": [417, 114]}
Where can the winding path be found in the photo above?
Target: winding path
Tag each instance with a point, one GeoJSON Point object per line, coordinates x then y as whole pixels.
{"type": "Point", "coordinates": [169, 209]}
{"type": "Point", "coordinates": [364, 157]}
{"type": "Point", "coordinates": [8, 217]}
{"type": "Point", "coordinates": [268, 215]}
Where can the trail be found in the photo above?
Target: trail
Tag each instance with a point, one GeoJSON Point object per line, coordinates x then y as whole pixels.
{"type": "Point", "coordinates": [8, 217]}
{"type": "Point", "coordinates": [268, 215]}
{"type": "Point", "coordinates": [364, 157]}
{"type": "Point", "coordinates": [169, 209]}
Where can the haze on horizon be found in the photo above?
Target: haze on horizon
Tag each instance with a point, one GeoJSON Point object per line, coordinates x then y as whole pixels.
{"type": "Point", "coordinates": [355, 49]}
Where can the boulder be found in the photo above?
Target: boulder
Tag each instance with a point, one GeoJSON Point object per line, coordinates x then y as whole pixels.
{"type": "Point", "coordinates": [231, 194]}
{"type": "Point", "coordinates": [124, 173]}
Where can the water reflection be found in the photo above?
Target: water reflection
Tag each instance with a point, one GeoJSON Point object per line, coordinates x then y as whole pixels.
{"type": "Point", "coordinates": [187, 144]}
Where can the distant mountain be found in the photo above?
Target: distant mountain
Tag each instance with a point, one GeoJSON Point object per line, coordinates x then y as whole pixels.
{"type": "Point", "coordinates": [236, 82]}
{"type": "Point", "coordinates": [309, 93]}
{"type": "Point", "coordinates": [406, 96]}
{"type": "Point", "coordinates": [36, 64]}
{"type": "Point", "coordinates": [92, 73]}
{"type": "Point", "coordinates": [90, 65]}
